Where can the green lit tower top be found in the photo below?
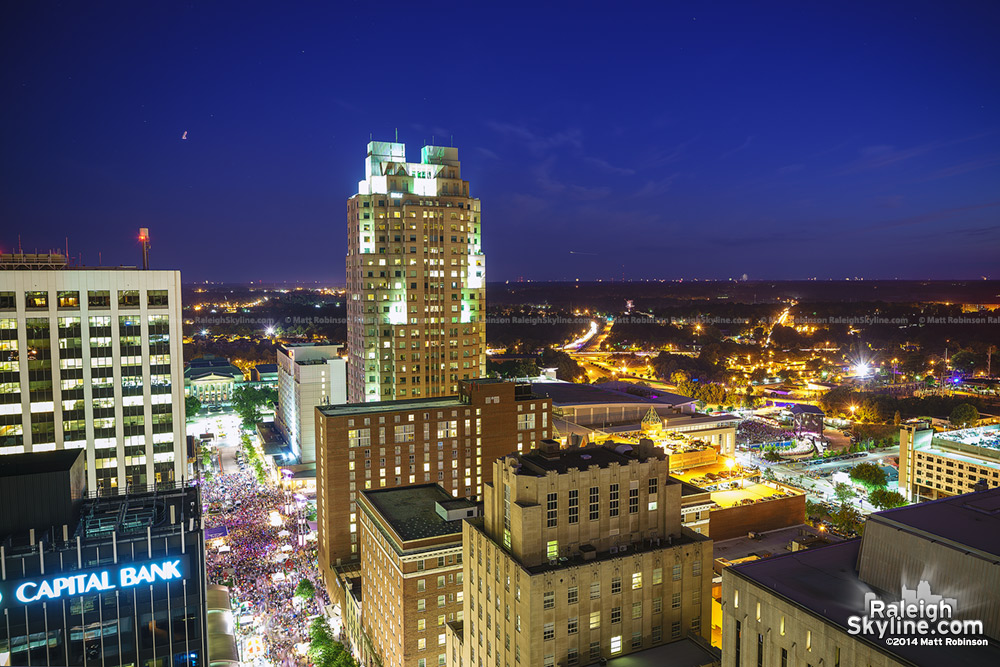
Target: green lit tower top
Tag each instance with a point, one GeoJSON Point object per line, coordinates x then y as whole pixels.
{"type": "Point", "coordinates": [415, 277]}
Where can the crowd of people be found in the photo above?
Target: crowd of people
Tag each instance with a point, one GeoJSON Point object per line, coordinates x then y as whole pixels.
{"type": "Point", "coordinates": [755, 431]}
{"type": "Point", "coordinates": [263, 565]}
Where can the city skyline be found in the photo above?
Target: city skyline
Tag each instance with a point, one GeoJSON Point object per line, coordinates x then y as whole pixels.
{"type": "Point", "coordinates": [705, 145]}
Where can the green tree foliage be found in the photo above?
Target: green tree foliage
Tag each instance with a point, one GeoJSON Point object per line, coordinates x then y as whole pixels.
{"type": "Point", "coordinates": [772, 456]}
{"type": "Point", "coordinates": [869, 474]}
{"type": "Point", "coordinates": [843, 492]}
{"type": "Point", "coordinates": [712, 394]}
{"type": "Point", "coordinates": [192, 406]}
{"type": "Point", "coordinates": [305, 589]}
{"type": "Point", "coordinates": [964, 415]}
{"type": "Point", "coordinates": [324, 650]}
{"type": "Point", "coordinates": [885, 499]}
{"type": "Point", "coordinates": [881, 408]}
{"type": "Point", "coordinates": [847, 519]}
{"type": "Point", "coordinates": [566, 367]}
{"type": "Point", "coordinates": [248, 401]}
{"type": "Point", "coordinates": [254, 458]}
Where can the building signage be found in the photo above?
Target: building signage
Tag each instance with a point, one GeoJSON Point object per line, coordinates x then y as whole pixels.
{"type": "Point", "coordinates": [121, 576]}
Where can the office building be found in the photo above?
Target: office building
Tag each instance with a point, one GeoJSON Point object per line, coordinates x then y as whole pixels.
{"type": "Point", "coordinates": [411, 572]}
{"type": "Point", "coordinates": [449, 440]}
{"type": "Point", "coordinates": [937, 465]}
{"type": "Point", "coordinates": [91, 359]}
{"type": "Point", "coordinates": [580, 556]}
{"type": "Point", "coordinates": [415, 277]}
{"type": "Point", "coordinates": [309, 374]}
{"type": "Point", "coordinates": [98, 580]}
{"type": "Point", "coordinates": [808, 607]}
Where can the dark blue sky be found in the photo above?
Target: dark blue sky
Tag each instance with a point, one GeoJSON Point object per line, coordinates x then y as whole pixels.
{"type": "Point", "coordinates": [708, 140]}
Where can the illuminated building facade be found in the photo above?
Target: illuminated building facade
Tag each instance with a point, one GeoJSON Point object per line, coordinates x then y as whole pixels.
{"type": "Point", "coordinates": [309, 374]}
{"type": "Point", "coordinates": [108, 580]}
{"type": "Point", "coordinates": [92, 359]}
{"type": "Point", "coordinates": [937, 465]}
{"type": "Point", "coordinates": [415, 277]}
{"type": "Point", "coordinates": [580, 556]}
{"type": "Point", "coordinates": [449, 440]}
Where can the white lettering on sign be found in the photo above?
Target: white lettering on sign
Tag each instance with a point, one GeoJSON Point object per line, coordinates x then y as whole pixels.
{"type": "Point", "coordinates": [95, 582]}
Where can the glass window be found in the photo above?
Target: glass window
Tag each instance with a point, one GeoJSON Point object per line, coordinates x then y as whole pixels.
{"type": "Point", "coordinates": [99, 298]}
{"type": "Point", "coordinates": [157, 298]}
{"type": "Point", "coordinates": [36, 300]}
{"type": "Point", "coordinates": [8, 301]}
{"type": "Point", "coordinates": [69, 299]}
{"type": "Point", "coordinates": [128, 298]}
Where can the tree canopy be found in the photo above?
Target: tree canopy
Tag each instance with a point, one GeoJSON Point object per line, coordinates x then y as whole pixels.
{"type": "Point", "coordinates": [869, 474]}
{"type": "Point", "coordinates": [964, 415]}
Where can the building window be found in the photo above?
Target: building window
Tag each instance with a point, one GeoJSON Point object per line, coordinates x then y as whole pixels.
{"type": "Point", "coordinates": [572, 595]}
{"type": "Point", "coordinates": [675, 630]}
{"type": "Point", "coordinates": [157, 298]}
{"type": "Point", "coordinates": [551, 510]}
{"type": "Point", "coordinates": [760, 650]}
{"type": "Point", "coordinates": [574, 506]}
{"type": "Point", "coordinates": [595, 620]}
{"type": "Point", "coordinates": [616, 644]}
{"type": "Point", "coordinates": [36, 300]}
{"type": "Point", "coordinates": [633, 501]}
{"type": "Point", "coordinates": [657, 605]}
{"type": "Point", "coordinates": [595, 503]}
{"type": "Point", "coordinates": [675, 601]}
{"type": "Point", "coordinates": [616, 615]}
{"type": "Point", "coordinates": [677, 572]}
{"type": "Point", "coordinates": [637, 610]}
{"type": "Point", "coordinates": [613, 501]}
{"type": "Point", "coordinates": [636, 580]}
{"type": "Point", "coordinates": [738, 638]}
{"type": "Point", "coordinates": [595, 650]}
{"type": "Point", "coordinates": [552, 549]}
{"type": "Point", "coordinates": [548, 600]}
{"type": "Point", "coordinates": [572, 626]}
{"type": "Point", "coordinates": [616, 586]}
{"type": "Point", "coordinates": [549, 632]}
{"type": "Point", "coordinates": [784, 658]}
{"type": "Point", "coordinates": [636, 640]}
{"type": "Point", "coordinates": [657, 634]}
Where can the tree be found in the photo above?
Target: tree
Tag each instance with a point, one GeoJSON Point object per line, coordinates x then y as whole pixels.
{"type": "Point", "coordinates": [897, 419]}
{"type": "Point", "coordinates": [846, 519]}
{"type": "Point", "coordinates": [885, 499]}
{"type": "Point", "coordinates": [248, 401]}
{"type": "Point", "coordinates": [305, 590]}
{"type": "Point", "coordinates": [964, 415]}
{"type": "Point", "coordinates": [843, 492]}
{"type": "Point", "coordinates": [772, 456]}
{"type": "Point", "coordinates": [192, 406]}
{"type": "Point", "coordinates": [869, 474]}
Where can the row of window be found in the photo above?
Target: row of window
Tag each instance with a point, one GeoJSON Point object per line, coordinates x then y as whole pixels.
{"type": "Point", "coordinates": [70, 299]}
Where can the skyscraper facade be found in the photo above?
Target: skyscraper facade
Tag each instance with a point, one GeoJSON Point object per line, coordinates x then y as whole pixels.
{"type": "Point", "coordinates": [415, 277]}
{"type": "Point", "coordinates": [92, 359]}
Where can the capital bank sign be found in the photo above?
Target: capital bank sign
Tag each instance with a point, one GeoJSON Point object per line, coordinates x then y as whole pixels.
{"type": "Point", "coordinates": [92, 581]}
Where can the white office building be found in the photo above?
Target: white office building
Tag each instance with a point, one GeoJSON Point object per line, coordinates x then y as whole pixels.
{"type": "Point", "coordinates": [91, 358]}
{"type": "Point", "coordinates": [309, 374]}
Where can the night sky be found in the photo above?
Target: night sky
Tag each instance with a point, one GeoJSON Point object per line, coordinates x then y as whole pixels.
{"type": "Point", "coordinates": [704, 140]}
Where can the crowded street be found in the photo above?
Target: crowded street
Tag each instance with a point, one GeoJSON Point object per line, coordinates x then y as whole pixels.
{"type": "Point", "coordinates": [262, 559]}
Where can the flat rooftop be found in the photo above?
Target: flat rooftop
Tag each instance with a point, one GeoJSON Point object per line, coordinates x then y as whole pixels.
{"type": "Point", "coordinates": [570, 393]}
{"type": "Point", "coordinates": [683, 653]}
{"type": "Point", "coordinates": [771, 543]}
{"type": "Point", "coordinates": [537, 464]}
{"type": "Point", "coordinates": [824, 583]}
{"type": "Point", "coordinates": [970, 521]}
{"type": "Point", "coordinates": [15, 465]}
{"type": "Point", "coordinates": [347, 409]}
{"type": "Point", "coordinates": [411, 511]}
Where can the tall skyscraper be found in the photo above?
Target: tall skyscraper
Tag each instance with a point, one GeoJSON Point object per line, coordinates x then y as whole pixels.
{"type": "Point", "coordinates": [415, 276]}
{"type": "Point", "coordinates": [92, 359]}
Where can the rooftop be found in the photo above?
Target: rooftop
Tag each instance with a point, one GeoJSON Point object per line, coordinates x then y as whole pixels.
{"type": "Point", "coordinates": [800, 408]}
{"type": "Point", "coordinates": [411, 513]}
{"type": "Point", "coordinates": [770, 543]}
{"type": "Point", "coordinates": [969, 522]}
{"type": "Point", "coordinates": [683, 653]}
{"type": "Point", "coordinates": [348, 409]}
{"type": "Point", "coordinates": [824, 582]}
{"type": "Point", "coordinates": [569, 393]}
{"type": "Point", "coordinates": [15, 465]}
{"type": "Point", "coordinates": [538, 463]}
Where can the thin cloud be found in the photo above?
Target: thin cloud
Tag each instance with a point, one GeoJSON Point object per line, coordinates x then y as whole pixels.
{"type": "Point", "coordinates": [882, 155]}
{"type": "Point", "coordinates": [487, 153]}
{"type": "Point", "coordinates": [934, 216]}
{"type": "Point", "coordinates": [965, 167]}
{"type": "Point", "coordinates": [741, 147]}
{"type": "Point", "coordinates": [604, 165]}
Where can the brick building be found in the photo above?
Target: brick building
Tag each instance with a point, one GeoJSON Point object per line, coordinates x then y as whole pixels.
{"type": "Point", "coordinates": [411, 572]}
{"type": "Point", "coordinates": [451, 441]}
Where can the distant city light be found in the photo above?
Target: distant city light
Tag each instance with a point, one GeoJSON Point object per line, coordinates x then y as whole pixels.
{"type": "Point", "coordinates": [204, 332]}
{"type": "Point", "coordinates": [269, 331]}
